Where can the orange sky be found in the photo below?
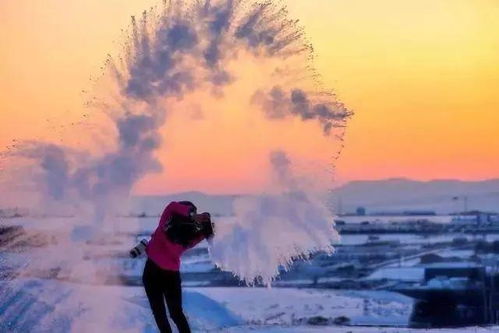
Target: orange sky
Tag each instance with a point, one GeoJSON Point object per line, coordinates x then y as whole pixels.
{"type": "Point", "coordinates": [422, 77]}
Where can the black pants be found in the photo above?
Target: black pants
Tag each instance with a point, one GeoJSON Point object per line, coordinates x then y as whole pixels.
{"type": "Point", "coordinates": [164, 285]}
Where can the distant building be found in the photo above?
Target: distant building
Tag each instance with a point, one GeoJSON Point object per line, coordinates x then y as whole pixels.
{"type": "Point", "coordinates": [419, 213]}
{"type": "Point", "coordinates": [477, 217]}
{"type": "Point", "coordinates": [405, 213]}
{"type": "Point", "coordinates": [361, 211]}
{"type": "Point", "coordinates": [452, 294]}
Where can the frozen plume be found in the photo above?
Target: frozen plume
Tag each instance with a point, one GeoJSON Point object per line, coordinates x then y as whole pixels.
{"type": "Point", "coordinates": [269, 231]}
{"type": "Point", "coordinates": [218, 68]}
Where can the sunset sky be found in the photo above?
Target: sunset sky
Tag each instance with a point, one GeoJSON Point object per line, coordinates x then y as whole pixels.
{"type": "Point", "coordinates": [421, 76]}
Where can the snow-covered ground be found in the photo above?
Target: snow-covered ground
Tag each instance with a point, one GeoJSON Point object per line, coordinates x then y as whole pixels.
{"type": "Point", "coordinates": [38, 305]}
{"type": "Point", "coordinates": [283, 306]}
{"type": "Point", "coordinates": [338, 329]}
{"type": "Point", "coordinates": [412, 274]}
{"type": "Point", "coordinates": [29, 304]}
{"type": "Point", "coordinates": [357, 239]}
{"type": "Point", "coordinates": [35, 305]}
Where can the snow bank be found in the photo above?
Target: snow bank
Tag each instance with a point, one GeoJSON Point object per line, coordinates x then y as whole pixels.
{"type": "Point", "coordinates": [289, 306]}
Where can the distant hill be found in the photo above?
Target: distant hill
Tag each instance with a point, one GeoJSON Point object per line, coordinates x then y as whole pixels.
{"type": "Point", "coordinates": [443, 196]}
{"type": "Point", "coordinates": [390, 195]}
{"type": "Point", "coordinates": [215, 204]}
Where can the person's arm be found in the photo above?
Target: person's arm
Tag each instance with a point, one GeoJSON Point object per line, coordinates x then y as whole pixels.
{"type": "Point", "coordinates": [207, 230]}
{"type": "Point", "coordinates": [172, 209]}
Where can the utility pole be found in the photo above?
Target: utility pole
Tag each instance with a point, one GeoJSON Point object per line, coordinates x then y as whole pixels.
{"type": "Point", "coordinates": [484, 292]}
{"type": "Point", "coordinates": [465, 201]}
{"type": "Point", "coordinates": [493, 269]}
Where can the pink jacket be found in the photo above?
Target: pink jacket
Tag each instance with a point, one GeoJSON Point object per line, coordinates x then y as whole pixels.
{"type": "Point", "coordinates": [161, 250]}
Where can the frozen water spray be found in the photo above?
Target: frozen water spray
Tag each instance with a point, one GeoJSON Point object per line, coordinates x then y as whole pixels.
{"type": "Point", "coordinates": [248, 56]}
{"type": "Point", "coordinates": [269, 231]}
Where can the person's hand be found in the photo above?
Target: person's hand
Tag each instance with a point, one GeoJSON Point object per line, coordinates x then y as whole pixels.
{"type": "Point", "coordinates": [205, 220]}
{"type": "Point", "coordinates": [202, 218]}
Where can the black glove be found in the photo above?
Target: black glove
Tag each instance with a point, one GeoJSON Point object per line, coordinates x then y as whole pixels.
{"type": "Point", "coordinates": [208, 226]}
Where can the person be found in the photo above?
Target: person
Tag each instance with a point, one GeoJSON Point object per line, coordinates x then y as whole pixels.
{"type": "Point", "coordinates": [179, 228]}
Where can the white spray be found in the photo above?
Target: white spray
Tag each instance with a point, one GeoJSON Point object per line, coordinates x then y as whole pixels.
{"type": "Point", "coordinates": [269, 231]}
{"type": "Point", "coordinates": [174, 54]}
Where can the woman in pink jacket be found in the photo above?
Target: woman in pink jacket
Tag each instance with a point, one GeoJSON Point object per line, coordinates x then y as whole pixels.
{"type": "Point", "coordinates": [180, 228]}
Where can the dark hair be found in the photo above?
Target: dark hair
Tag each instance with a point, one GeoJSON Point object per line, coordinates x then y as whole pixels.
{"type": "Point", "coordinates": [181, 229]}
{"type": "Point", "coordinates": [188, 203]}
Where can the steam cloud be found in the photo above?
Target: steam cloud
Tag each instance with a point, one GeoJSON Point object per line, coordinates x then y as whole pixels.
{"type": "Point", "coordinates": [270, 231]}
{"type": "Point", "coordinates": [278, 104]}
{"type": "Point", "coordinates": [186, 49]}
{"type": "Point", "coordinates": [183, 48]}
